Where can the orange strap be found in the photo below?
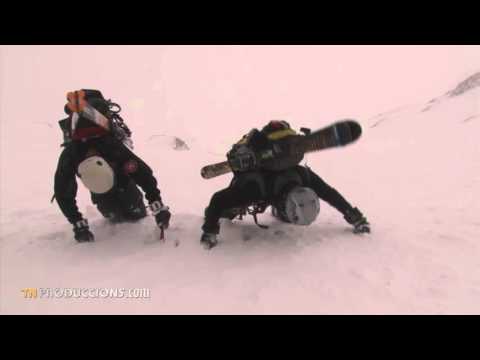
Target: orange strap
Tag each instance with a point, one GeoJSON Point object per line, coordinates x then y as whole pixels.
{"type": "Point", "coordinates": [76, 101]}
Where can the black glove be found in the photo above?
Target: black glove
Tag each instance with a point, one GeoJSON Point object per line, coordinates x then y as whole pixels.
{"type": "Point", "coordinates": [359, 222]}
{"type": "Point", "coordinates": [161, 213]}
{"type": "Point", "coordinates": [82, 231]}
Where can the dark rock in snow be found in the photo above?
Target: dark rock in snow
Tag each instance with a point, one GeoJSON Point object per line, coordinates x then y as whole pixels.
{"type": "Point", "coordinates": [179, 144]}
{"type": "Point", "coordinates": [466, 85]}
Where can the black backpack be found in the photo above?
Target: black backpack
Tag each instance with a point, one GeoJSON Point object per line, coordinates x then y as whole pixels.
{"type": "Point", "coordinates": [107, 108]}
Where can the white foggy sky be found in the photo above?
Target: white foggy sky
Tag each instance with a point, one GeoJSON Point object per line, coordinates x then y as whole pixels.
{"type": "Point", "coordinates": [191, 85]}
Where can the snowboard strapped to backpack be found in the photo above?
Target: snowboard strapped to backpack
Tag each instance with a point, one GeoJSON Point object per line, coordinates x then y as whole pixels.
{"type": "Point", "coordinates": [287, 151]}
{"type": "Point", "coordinates": [90, 116]}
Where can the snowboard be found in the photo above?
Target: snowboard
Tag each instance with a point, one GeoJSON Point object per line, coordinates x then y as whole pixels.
{"type": "Point", "coordinates": [290, 151]}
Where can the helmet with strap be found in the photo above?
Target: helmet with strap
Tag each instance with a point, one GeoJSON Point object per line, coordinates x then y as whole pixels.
{"type": "Point", "coordinates": [96, 174]}
{"type": "Point", "coordinates": [299, 206]}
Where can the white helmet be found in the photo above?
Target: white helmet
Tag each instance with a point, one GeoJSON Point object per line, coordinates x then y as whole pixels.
{"type": "Point", "coordinates": [96, 174]}
{"type": "Point", "coordinates": [301, 206]}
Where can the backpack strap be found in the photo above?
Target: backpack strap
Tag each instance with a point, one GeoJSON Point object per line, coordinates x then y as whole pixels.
{"type": "Point", "coordinates": [258, 208]}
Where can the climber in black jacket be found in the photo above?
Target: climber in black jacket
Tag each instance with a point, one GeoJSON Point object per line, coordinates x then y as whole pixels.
{"type": "Point", "coordinates": [264, 187]}
{"type": "Point", "coordinates": [106, 166]}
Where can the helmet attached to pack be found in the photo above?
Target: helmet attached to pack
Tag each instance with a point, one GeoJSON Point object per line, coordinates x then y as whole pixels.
{"type": "Point", "coordinates": [96, 174]}
{"type": "Point", "coordinates": [299, 206]}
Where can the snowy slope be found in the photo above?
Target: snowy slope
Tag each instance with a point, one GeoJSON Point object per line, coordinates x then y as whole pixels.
{"type": "Point", "coordinates": [415, 174]}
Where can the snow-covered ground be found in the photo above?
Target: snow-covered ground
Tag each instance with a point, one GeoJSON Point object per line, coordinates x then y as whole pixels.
{"type": "Point", "coordinates": [415, 173]}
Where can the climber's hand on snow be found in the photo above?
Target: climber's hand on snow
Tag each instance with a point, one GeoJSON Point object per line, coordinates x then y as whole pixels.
{"type": "Point", "coordinates": [363, 227]}
{"type": "Point", "coordinates": [359, 222]}
{"type": "Point", "coordinates": [82, 231]}
{"type": "Point", "coordinates": [161, 213]}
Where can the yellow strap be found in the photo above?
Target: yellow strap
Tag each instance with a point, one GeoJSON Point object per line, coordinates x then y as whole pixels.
{"type": "Point", "coordinates": [280, 134]}
{"type": "Point", "coordinates": [277, 135]}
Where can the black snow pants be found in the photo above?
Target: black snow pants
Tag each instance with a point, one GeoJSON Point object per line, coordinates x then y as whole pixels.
{"type": "Point", "coordinates": [123, 203]}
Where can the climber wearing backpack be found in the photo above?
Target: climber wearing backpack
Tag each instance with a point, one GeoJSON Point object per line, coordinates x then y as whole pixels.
{"type": "Point", "coordinates": [97, 150]}
{"type": "Point", "coordinates": [290, 189]}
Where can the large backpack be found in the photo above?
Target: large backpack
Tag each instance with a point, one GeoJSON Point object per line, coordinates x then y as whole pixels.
{"type": "Point", "coordinates": [90, 115]}
{"type": "Point", "coordinates": [270, 149]}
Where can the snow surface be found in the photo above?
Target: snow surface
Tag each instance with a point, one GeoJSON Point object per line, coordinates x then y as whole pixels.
{"type": "Point", "coordinates": [415, 174]}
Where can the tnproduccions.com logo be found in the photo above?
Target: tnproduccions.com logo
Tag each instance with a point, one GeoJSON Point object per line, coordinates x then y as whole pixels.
{"type": "Point", "coordinates": [86, 293]}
